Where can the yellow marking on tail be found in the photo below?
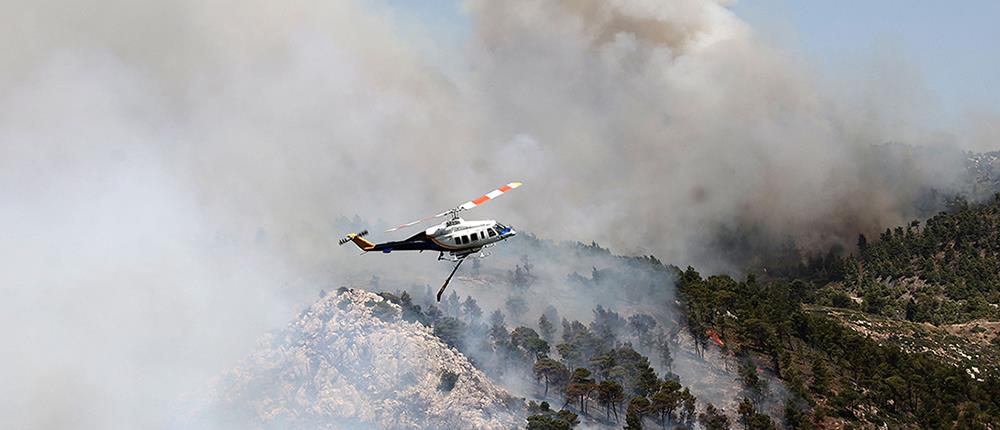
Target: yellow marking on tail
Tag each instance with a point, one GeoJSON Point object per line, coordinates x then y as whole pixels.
{"type": "Point", "coordinates": [362, 243]}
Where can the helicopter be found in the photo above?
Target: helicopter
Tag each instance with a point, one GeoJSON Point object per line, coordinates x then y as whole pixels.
{"type": "Point", "coordinates": [455, 239]}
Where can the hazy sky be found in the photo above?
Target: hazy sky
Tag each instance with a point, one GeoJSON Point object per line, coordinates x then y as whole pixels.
{"type": "Point", "coordinates": [953, 45]}
{"type": "Point", "coordinates": [950, 46]}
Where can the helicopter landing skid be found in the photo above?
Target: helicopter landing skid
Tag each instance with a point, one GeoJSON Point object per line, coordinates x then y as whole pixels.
{"type": "Point", "coordinates": [479, 253]}
{"type": "Point", "coordinates": [451, 258]}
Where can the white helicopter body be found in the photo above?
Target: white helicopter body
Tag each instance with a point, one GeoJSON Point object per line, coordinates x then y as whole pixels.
{"type": "Point", "coordinates": [455, 237]}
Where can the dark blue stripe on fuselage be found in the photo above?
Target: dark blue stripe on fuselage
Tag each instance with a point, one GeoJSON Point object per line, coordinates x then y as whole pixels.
{"type": "Point", "coordinates": [417, 242]}
{"type": "Point", "coordinates": [408, 245]}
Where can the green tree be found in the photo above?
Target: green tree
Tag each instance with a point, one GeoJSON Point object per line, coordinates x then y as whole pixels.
{"type": "Point", "coordinates": [641, 325]}
{"type": "Point", "coordinates": [497, 318]}
{"type": "Point", "coordinates": [610, 394]}
{"type": "Point", "coordinates": [820, 379]}
{"type": "Point", "coordinates": [752, 383]}
{"type": "Point", "coordinates": [638, 408]}
{"type": "Point", "coordinates": [665, 401]}
{"type": "Point", "coordinates": [451, 331]}
{"type": "Point", "coordinates": [606, 324]}
{"type": "Point", "coordinates": [527, 340]}
{"type": "Point", "coordinates": [570, 354]}
{"type": "Point", "coordinates": [751, 419]}
{"type": "Point", "coordinates": [516, 306]}
{"type": "Point", "coordinates": [471, 309]}
{"type": "Point", "coordinates": [452, 304]}
{"type": "Point", "coordinates": [761, 422]}
{"type": "Point", "coordinates": [546, 328]}
{"type": "Point", "coordinates": [552, 371]}
{"type": "Point", "coordinates": [579, 388]}
{"type": "Point", "coordinates": [795, 418]}
{"type": "Point", "coordinates": [448, 380]}
{"type": "Point", "coordinates": [687, 411]}
{"type": "Point", "coordinates": [713, 419]}
{"type": "Point", "coordinates": [543, 422]}
{"type": "Point", "coordinates": [746, 410]}
{"type": "Point", "coordinates": [641, 379]}
{"type": "Point", "coordinates": [568, 417]}
{"type": "Point", "coordinates": [666, 358]}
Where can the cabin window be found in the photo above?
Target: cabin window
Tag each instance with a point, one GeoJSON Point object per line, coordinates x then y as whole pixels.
{"type": "Point", "coordinates": [492, 233]}
{"type": "Point", "coordinates": [474, 237]}
{"type": "Point", "coordinates": [458, 240]}
{"type": "Point", "coordinates": [465, 239]}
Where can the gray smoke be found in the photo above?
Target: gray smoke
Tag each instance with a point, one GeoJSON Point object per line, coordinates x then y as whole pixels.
{"type": "Point", "coordinates": [170, 173]}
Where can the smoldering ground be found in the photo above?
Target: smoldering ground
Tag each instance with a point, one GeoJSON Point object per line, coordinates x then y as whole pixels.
{"type": "Point", "coordinates": [169, 173]}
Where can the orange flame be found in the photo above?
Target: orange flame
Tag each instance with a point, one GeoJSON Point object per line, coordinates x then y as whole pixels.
{"type": "Point", "coordinates": [714, 335]}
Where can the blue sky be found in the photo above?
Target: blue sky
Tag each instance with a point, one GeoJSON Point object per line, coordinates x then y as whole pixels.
{"type": "Point", "coordinates": [953, 47]}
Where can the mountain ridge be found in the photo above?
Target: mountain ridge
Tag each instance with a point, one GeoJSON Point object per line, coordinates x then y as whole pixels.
{"type": "Point", "coordinates": [350, 361]}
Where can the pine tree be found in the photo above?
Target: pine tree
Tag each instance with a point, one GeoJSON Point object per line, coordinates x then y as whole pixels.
{"type": "Point", "coordinates": [579, 388]}
{"type": "Point", "coordinates": [713, 419]}
{"type": "Point", "coordinates": [546, 328]}
{"type": "Point", "coordinates": [609, 394]}
{"type": "Point", "coordinates": [638, 407]}
{"type": "Point", "coordinates": [552, 371]}
{"type": "Point", "coordinates": [471, 309]}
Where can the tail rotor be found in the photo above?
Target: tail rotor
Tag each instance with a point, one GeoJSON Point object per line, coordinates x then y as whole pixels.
{"type": "Point", "coordinates": [350, 237]}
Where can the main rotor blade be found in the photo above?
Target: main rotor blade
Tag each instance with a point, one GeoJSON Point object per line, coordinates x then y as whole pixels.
{"type": "Point", "coordinates": [489, 196]}
{"type": "Point", "coordinates": [467, 205]}
{"type": "Point", "coordinates": [417, 221]}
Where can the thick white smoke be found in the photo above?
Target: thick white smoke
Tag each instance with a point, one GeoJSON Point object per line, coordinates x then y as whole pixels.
{"type": "Point", "coordinates": [170, 172]}
{"type": "Point", "coordinates": [664, 121]}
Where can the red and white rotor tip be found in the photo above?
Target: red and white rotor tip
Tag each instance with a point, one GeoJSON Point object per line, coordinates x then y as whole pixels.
{"type": "Point", "coordinates": [489, 196]}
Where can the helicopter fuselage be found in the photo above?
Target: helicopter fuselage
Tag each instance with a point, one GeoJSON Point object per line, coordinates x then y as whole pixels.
{"type": "Point", "coordinates": [456, 236]}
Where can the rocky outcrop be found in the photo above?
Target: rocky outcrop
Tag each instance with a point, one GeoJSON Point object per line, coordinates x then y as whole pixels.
{"type": "Point", "coordinates": [350, 361]}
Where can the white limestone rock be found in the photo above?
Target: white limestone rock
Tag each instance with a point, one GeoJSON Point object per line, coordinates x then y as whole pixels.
{"type": "Point", "coordinates": [350, 362]}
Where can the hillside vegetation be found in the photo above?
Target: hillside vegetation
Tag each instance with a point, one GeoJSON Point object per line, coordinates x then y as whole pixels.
{"type": "Point", "coordinates": [903, 333]}
{"type": "Point", "coordinates": [837, 375]}
{"type": "Point", "coordinates": [946, 271]}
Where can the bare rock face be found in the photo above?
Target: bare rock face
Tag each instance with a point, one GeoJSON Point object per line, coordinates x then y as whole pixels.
{"type": "Point", "coordinates": [349, 362]}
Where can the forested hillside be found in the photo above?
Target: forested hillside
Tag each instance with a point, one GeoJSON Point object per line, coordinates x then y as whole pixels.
{"type": "Point", "coordinates": [590, 371]}
{"type": "Point", "coordinates": [944, 271]}
{"type": "Point", "coordinates": [587, 338]}
{"type": "Point", "coordinates": [599, 371]}
{"type": "Point", "coordinates": [849, 335]}
{"type": "Point", "coordinates": [836, 376]}
{"type": "Point", "coordinates": [901, 333]}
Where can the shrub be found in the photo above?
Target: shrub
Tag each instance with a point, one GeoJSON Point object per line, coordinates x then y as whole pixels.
{"type": "Point", "coordinates": [448, 380]}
